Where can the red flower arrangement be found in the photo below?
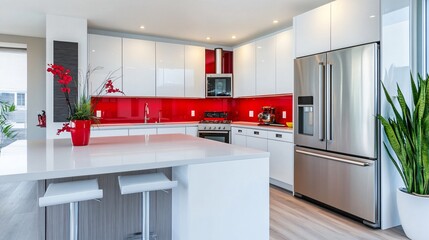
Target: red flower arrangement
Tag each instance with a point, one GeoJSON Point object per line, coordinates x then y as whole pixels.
{"type": "Point", "coordinates": [83, 109]}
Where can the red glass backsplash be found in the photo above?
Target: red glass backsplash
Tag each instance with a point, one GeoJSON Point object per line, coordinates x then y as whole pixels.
{"type": "Point", "coordinates": [131, 110]}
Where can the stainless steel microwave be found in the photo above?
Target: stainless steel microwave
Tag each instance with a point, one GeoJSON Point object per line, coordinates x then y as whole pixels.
{"type": "Point", "coordinates": [219, 85]}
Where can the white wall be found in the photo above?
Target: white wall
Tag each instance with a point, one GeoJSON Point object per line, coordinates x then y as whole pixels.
{"type": "Point", "coordinates": [67, 29]}
{"type": "Point", "coordinates": [395, 68]}
{"type": "Point", "coordinates": [36, 79]}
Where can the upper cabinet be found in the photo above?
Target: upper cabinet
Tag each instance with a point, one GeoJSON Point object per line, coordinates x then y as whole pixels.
{"type": "Point", "coordinates": [284, 62]}
{"type": "Point", "coordinates": [266, 66]}
{"type": "Point", "coordinates": [170, 74]}
{"type": "Point", "coordinates": [244, 70]}
{"type": "Point", "coordinates": [354, 22]}
{"type": "Point", "coordinates": [313, 31]}
{"type": "Point", "coordinates": [138, 67]}
{"type": "Point", "coordinates": [104, 53]}
{"type": "Point", "coordinates": [339, 24]}
{"type": "Point", "coordinates": [195, 71]}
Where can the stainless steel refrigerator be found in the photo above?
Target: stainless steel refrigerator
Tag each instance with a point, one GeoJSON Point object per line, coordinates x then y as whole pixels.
{"type": "Point", "coordinates": [336, 101]}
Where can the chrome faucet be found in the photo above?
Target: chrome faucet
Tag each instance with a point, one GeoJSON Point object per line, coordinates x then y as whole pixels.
{"type": "Point", "coordinates": [146, 112]}
{"type": "Point", "coordinates": [159, 116]}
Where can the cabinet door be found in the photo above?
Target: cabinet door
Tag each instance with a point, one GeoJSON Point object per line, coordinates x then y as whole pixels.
{"type": "Point", "coordinates": [313, 31]}
{"type": "Point", "coordinates": [105, 53]}
{"type": "Point", "coordinates": [171, 130]}
{"type": "Point", "coordinates": [266, 66]}
{"type": "Point", "coordinates": [109, 133]}
{"type": "Point", "coordinates": [284, 62]}
{"type": "Point", "coordinates": [142, 131]}
{"type": "Point", "coordinates": [281, 161]}
{"type": "Point", "coordinates": [195, 58]}
{"type": "Point", "coordinates": [244, 70]}
{"type": "Point", "coordinates": [138, 67]}
{"type": "Point", "coordinates": [193, 131]}
{"type": "Point", "coordinates": [354, 22]}
{"type": "Point", "coordinates": [257, 143]}
{"type": "Point", "coordinates": [170, 73]}
{"type": "Point", "coordinates": [239, 140]}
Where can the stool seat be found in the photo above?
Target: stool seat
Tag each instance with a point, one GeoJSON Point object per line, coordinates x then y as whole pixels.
{"type": "Point", "coordinates": [145, 183]}
{"type": "Point", "coordinates": [68, 192]}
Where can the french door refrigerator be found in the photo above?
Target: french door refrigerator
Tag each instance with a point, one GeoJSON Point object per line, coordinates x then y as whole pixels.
{"type": "Point", "coordinates": [336, 101]}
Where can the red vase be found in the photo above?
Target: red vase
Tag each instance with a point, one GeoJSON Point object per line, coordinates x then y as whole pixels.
{"type": "Point", "coordinates": [80, 132]}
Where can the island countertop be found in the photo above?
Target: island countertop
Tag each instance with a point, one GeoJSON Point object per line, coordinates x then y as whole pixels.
{"type": "Point", "coordinates": [56, 158]}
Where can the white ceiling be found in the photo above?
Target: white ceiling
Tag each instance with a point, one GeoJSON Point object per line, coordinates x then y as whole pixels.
{"type": "Point", "coordinates": [190, 20]}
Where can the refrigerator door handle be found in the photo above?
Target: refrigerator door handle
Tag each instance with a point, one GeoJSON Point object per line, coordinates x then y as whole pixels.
{"type": "Point", "coordinates": [343, 160]}
{"type": "Point", "coordinates": [321, 101]}
{"type": "Point", "coordinates": [329, 102]}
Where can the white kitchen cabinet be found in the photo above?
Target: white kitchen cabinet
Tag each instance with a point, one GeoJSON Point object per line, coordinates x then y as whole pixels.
{"type": "Point", "coordinates": [142, 131]}
{"type": "Point", "coordinates": [354, 22]}
{"type": "Point", "coordinates": [281, 162]}
{"type": "Point", "coordinates": [285, 62]}
{"type": "Point", "coordinates": [266, 66]}
{"type": "Point", "coordinates": [171, 130]}
{"type": "Point", "coordinates": [170, 74]}
{"type": "Point", "coordinates": [109, 132]}
{"type": "Point", "coordinates": [238, 136]}
{"type": "Point", "coordinates": [193, 131]}
{"type": "Point", "coordinates": [257, 143]}
{"type": "Point", "coordinates": [244, 70]}
{"type": "Point", "coordinates": [138, 67]}
{"type": "Point", "coordinates": [195, 58]}
{"type": "Point", "coordinates": [313, 31]}
{"type": "Point", "coordinates": [105, 53]}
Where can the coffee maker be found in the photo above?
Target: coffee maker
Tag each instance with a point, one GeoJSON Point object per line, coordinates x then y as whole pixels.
{"type": "Point", "coordinates": [267, 116]}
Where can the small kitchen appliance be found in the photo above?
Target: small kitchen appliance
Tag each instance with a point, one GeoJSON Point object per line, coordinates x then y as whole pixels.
{"type": "Point", "coordinates": [215, 126]}
{"type": "Point", "coordinates": [267, 116]}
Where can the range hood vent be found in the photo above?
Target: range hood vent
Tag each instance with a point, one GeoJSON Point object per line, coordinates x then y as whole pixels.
{"type": "Point", "coordinates": [219, 60]}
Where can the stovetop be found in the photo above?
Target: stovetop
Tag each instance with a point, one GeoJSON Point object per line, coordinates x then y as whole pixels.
{"type": "Point", "coordinates": [215, 121]}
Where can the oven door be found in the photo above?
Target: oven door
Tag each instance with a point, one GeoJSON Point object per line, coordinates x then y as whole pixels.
{"type": "Point", "coordinates": [220, 136]}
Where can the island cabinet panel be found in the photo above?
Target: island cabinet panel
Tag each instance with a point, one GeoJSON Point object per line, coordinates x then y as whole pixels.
{"type": "Point", "coordinates": [105, 54]}
{"type": "Point", "coordinates": [170, 73]}
{"type": "Point", "coordinates": [138, 67]}
{"type": "Point", "coordinates": [313, 31]}
{"type": "Point", "coordinates": [116, 216]}
{"type": "Point", "coordinates": [354, 22]}
{"type": "Point", "coordinates": [244, 70]}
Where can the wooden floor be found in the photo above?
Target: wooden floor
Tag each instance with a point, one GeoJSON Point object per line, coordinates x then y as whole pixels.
{"type": "Point", "coordinates": [293, 218]}
{"type": "Point", "coordinates": [290, 218]}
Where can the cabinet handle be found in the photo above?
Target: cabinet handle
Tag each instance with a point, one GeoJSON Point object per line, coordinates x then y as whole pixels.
{"type": "Point", "coordinates": [278, 135]}
{"type": "Point", "coordinates": [240, 131]}
{"type": "Point", "coordinates": [256, 132]}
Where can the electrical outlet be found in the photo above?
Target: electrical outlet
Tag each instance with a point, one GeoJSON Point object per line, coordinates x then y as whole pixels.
{"type": "Point", "coordinates": [284, 114]}
{"type": "Point", "coordinates": [98, 113]}
{"type": "Point", "coordinates": [193, 113]}
{"type": "Point", "coordinates": [250, 113]}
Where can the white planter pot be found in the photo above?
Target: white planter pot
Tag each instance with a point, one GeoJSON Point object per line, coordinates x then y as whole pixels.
{"type": "Point", "coordinates": [414, 214]}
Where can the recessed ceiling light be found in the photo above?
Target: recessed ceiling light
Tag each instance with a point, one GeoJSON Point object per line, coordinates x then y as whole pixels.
{"type": "Point", "coordinates": [259, 47]}
{"type": "Point", "coordinates": [208, 38]}
{"type": "Point", "coordinates": [141, 27]}
{"type": "Point", "coordinates": [275, 21]}
{"type": "Point", "coordinates": [372, 16]}
{"type": "Point", "coordinates": [234, 37]}
{"type": "Point", "coordinates": [93, 50]}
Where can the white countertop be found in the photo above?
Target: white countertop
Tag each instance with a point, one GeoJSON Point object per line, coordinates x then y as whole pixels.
{"type": "Point", "coordinates": [255, 125]}
{"type": "Point", "coordinates": [56, 158]}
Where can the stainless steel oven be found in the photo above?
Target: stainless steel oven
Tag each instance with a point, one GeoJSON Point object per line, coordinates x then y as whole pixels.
{"type": "Point", "coordinates": [215, 127]}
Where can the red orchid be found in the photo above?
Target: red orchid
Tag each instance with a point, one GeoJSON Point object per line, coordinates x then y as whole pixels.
{"type": "Point", "coordinates": [110, 88]}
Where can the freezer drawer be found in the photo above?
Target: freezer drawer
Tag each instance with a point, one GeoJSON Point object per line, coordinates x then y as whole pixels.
{"type": "Point", "coordinates": [346, 183]}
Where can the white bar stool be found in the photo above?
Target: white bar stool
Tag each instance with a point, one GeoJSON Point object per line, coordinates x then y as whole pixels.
{"type": "Point", "coordinates": [73, 193]}
{"type": "Point", "coordinates": [145, 183]}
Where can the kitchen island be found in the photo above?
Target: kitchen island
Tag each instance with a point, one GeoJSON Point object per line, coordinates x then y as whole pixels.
{"type": "Point", "coordinates": [223, 190]}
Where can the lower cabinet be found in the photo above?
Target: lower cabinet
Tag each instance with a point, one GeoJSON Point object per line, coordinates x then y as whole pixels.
{"type": "Point", "coordinates": [192, 131]}
{"type": "Point", "coordinates": [142, 131]}
{"type": "Point", "coordinates": [279, 144]}
{"type": "Point", "coordinates": [171, 130]}
{"type": "Point", "coordinates": [109, 133]}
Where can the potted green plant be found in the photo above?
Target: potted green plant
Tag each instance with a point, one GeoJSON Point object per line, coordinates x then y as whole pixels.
{"type": "Point", "coordinates": [6, 130]}
{"type": "Point", "coordinates": [81, 113]}
{"type": "Point", "coordinates": [408, 135]}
